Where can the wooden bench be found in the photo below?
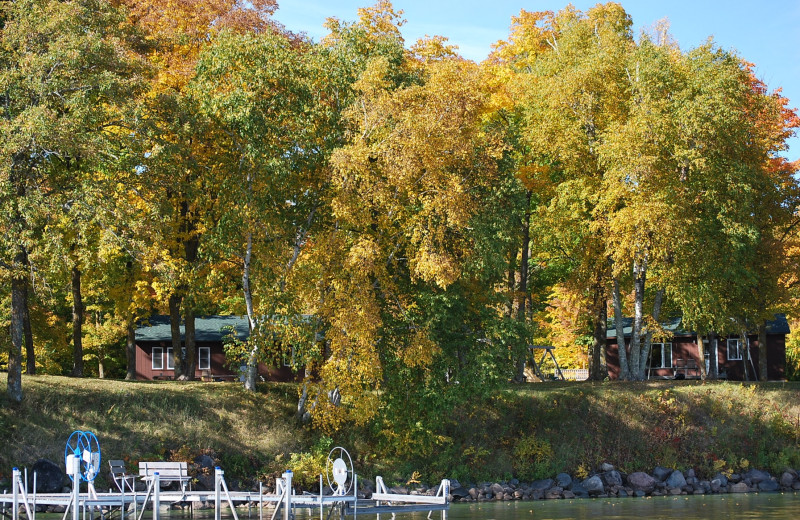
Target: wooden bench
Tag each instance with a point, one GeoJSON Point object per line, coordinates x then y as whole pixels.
{"type": "Point", "coordinates": [168, 472]}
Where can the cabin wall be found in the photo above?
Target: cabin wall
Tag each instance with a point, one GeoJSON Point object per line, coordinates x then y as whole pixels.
{"type": "Point", "coordinates": [218, 371]}
{"type": "Point", "coordinates": [685, 353]}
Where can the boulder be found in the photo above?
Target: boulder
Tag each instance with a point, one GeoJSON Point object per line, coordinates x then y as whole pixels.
{"type": "Point", "coordinates": [542, 484]}
{"type": "Point", "coordinates": [676, 480]}
{"type": "Point", "coordinates": [563, 480]}
{"type": "Point", "coordinates": [769, 485]}
{"type": "Point", "coordinates": [723, 480]}
{"type": "Point", "coordinates": [787, 479]}
{"type": "Point", "coordinates": [661, 473]}
{"type": "Point", "coordinates": [755, 476]}
{"type": "Point", "coordinates": [605, 467]}
{"type": "Point", "coordinates": [578, 490]}
{"type": "Point", "coordinates": [739, 487]}
{"type": "Point", "coordinates": [569, 494]}
{"type": "Point", "coordinates": [641, 481]}
{"type": "Point", "coordinates": [593, 485]}
{"type": "Point", "coordinates": [49, 477]}
{"type": "Point", "coordinates": [553, 493]}
{"type": "Point", "coordinates": [459, 492]}
{"type": "Point", "coordinates": [497, 490]}
{"type": "Point", "coordinates": [612, 478]}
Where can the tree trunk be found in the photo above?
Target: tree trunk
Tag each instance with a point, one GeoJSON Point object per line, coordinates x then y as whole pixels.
{"type": "Point", "coordinates": [522, 292]}
{"type": "Point", "coordinates": [77, 324]}
{"type": "Point", "coordinates": [713, 356]}
{"type": "Point", "coordinates": [762, 351]}
{"type": "Point", "coordinates": [701, 353]}
{"type": "Point", "coordinates": [624, 372]}
{"type": "Point", "coordinates": [189, 342]}
{"type": "Point", "coordinates": [746, 354]}
{"type": "Point", "coordinates": [639, 279]}
{"type": "Point", "coordinates": [175, 330]}
{"type": "Point", "coordinates": [19, 303]}
{"type": "Point", "coordinates": [252, 358]}
{"type": "Point", "coordinates": [130, 350]}
{"type": "Point", "coordinates": [596, 372]}
{"type": "Point", "coordinates": [648, 338]}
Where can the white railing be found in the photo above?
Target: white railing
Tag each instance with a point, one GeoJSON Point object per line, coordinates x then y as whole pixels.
{"type": "Point", "coordinates": [575, 374]}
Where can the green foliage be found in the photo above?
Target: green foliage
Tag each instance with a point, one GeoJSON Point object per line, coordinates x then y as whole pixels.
{"type": "Point", "coordinates": [533, 458]}
{"type": "Point", "coordinates": [307, 466]}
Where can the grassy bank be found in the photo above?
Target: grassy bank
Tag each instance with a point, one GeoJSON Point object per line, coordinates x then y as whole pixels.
{"type": "Point", "coordinates": [528, 432]}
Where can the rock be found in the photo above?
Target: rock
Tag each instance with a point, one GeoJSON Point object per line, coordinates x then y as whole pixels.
{"type": "Point", "coordinates": [641, 481]}
{"type": "Point", "coordinates": [578, 490]}
{"type": "Point", "coordinates": [675, 491]}
{"type": "Point", "coordinates": [565, 481]}
{"type": "Point", "coordinates": [723, 480]}
{"type": "Point", "coordinates": [513, 482]}
{"type": "Point", "coordinates": [676, 480]}
{"type": "Point", "coordinates": [49, 477]}
{"type": "Point", "coordinates": [715, 485]}
{"type": "Point", "coordinates": [755, 476]}
{"type": "Point", "coordinates": [639, 493]}
{"type": "Point", "coordinates": [769, 485]}
{"type": "Point", "coordinates": [739, 487]}
{"type": "Point", "coordinates": [796, 485]}
{"type": "Point", "coordinates": [787, 479]}
{"type": "Point", "coordinates": [518, 494]}
{"type": "Point", "coordinates": [593, 485]}
{"type": "Point", "coordinates": [605, 467]}
{"type": "Point", "coordinates": [612, 478]}
{"type": "Point", "coordinates": [734, 478]}
{"type": "Point", "coordinates": [459, 492]}
{"type": "Point", "coordinates": [661, 473]}
{"type": "Point", "coordinates": [497, 490]}
{"type": "Point", "coordinates": [537, 494]}
{"type": "Point", "coordinates": [553, 493]}
{"type": "Point", "coordinates": [690, 473]}
{"type": "Point", "coordinates": [473, 492]}
{"type": "Point", "coordinates": [542, 484]}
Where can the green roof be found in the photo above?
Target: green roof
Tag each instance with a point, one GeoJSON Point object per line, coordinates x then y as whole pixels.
{"type": "Point", "coordinates": [777, 326]}
{"type": "Point", "coordinates": [209, 329]}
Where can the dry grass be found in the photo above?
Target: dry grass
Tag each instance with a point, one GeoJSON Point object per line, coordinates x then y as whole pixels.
{"type": "Point", "coordinates": [149, 420]}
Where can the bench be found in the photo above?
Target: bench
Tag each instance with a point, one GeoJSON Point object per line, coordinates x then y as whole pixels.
{"type": "Point", "coordinates": [168, 472]}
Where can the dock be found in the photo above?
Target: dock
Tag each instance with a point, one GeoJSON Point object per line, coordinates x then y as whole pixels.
{"type": "Point", "coordinates": [19, 502]}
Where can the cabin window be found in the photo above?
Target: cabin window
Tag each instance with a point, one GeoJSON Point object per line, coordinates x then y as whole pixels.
{"type": "Point", "coordinates": [170, 364]}
{"type": "Point", "coordinates": [661, 355]}
{"type": "Point", "coordinates": [204, 358]}
{"type": "Point", "coordinates": [158, 358]}
{"type": "Point", "coordinates": [734, 349]}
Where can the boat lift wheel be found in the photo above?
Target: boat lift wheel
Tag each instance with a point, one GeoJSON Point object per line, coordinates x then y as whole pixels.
{"type": "Point", "coordinates": [339, 471]}
{"type": "Point", "coordinates": [85, 447]}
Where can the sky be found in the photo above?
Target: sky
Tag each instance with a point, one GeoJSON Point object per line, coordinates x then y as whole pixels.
{"type": "Point", "coordinates": [765, 32]}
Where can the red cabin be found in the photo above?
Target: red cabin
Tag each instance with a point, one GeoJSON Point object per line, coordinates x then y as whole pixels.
{"type": "Point", "coordinates": [154, 350]}
{"type": "Point", "coordinates": [680, 357]}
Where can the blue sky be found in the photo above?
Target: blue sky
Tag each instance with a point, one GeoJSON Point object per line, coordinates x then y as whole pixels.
{"type": "Point", "coordinates": [766, 32]}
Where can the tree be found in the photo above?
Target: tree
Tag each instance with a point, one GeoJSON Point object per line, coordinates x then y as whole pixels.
{"type": "Point", "coordinates": [67, 68]}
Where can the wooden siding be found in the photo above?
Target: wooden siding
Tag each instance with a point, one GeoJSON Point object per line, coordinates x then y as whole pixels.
{"type": "Point", "coordinates": [219, 370]}
{"type": "Point", "coordinates": [685, 348]}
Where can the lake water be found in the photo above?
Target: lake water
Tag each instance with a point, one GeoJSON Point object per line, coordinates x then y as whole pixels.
{"type": "Point", "coordinates": [776, 506]}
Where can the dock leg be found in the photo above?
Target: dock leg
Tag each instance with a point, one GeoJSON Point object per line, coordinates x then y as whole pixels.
{"type": "Point", "coordinates": [15, 506]}
{"type": "Point", "coordinates": [156, 497]}
{"type": "Point", "coordinates": [287, 507]}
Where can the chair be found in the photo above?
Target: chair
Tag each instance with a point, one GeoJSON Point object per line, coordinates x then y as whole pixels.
{"type": "Point", "coordinates": [120, 476]}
